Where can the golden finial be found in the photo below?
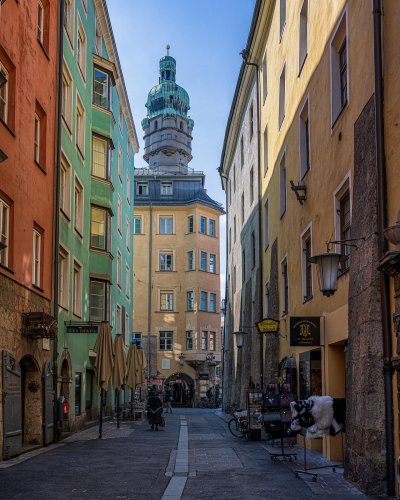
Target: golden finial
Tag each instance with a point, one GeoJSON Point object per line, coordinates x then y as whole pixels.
{"type": "Point", "coordinates": [168, 47]}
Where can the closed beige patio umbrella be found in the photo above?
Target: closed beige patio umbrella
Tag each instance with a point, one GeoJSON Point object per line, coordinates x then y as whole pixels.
{"type": "Point", "coordinates": [104, 364]}
{"type": "Point", "coordinates": [142, 364]}
{"type": "Point", "coordinates": [118, 376]}
{"type": "Point", "coordinates": [131, 367]}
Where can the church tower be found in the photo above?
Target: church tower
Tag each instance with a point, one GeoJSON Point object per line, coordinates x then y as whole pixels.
{"type": "Point", "coordinates": [167, 127]}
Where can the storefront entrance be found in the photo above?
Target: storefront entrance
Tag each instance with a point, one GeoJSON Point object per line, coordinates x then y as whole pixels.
{"type": "Point", "coordinates": [182, 388]}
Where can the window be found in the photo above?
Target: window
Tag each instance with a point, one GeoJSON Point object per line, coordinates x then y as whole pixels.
{"type": "Point", "coordinates": [251, 198]}
{"type": "Point", "coordinates": [230, 193]}
{"type": "Point", "coordinates": [203, 261]}
{"type": "Point", "coordinates": [142, 188]}
{"type": "Point", "coordinates": [119, 269]}
{"type": "Point", "coordinates": [190, 256]}
{"type": "Point", "coordinates": [306, 270]}
{"type": "Point", "coordinates": [190, 301]}
{"type": "Point", "coordinates": [137, 224]}
{"type": "Point", "coordinates": [284, 287]}
{"type": "Point", "coordinates": [66, 106]}
{"type": "Point", "coordinates": [63, 278]}
{"type": "Point", "coordinates": [203, 340]}
{"type": "Point", "coordinates": [120, 163]}
{"type": "Point", "coordinates": [234, 280]}
{"type": "Point", "coordinates": [99, 38]}
{"type": "Point", "coordinates": [344, 227]}
{"type": "Point", "coordinates": [121, 119]}
{"type": "Point", "coordinates": [303, 40]}
{"type": "Point", "coordinates": [282, 17]}
{"type": "Point", "coordinates": [339, 58]}
{"type": "Point", "coordinates": [166, 188]}
{"type": "Point", "coordinates": [40, 22]}
{"type": "Point", "coordinates": [189, 340]}
{"type": "Point", "coordinates": [37, 140]}
{"type": "Point", "coordinates": [169, 136]}
{"type": "Point", "coordinates": [127, 282]}
{"type": "Point", "coordinates": [265, 149]}
{"type": "Point", "coordinates": [78, 393]}
{"type": "Point", "coordinates": [162, 137]}
{"type": "Point", "coordinates": [78, 224]}
{"type": "Point", "coordinates": [203, 301]}
{"type": "Point", "coordinates": [166, 301]}
{"type": "Point", "coordinates": [166, 263]}
{"type": "Point", "coordinates": [230, 240]}
{"type": "Point", "coordinates": [126, 329]}
{"type": "Point", "coordinates": [243, 266]}
{"type": "Point", "coordinates": [101, 158]}
{"type": "Point", "coordinates": [267, 297]}
{"type": "Point", "coordinates": [69, 19]}
{"type": "Point", "coordinates": [81, 49]}
{"type": "Point", "coordinates": [138, 337]}
{"type": "Point", "coordinates": [234, 229]}
{"type": "Point", "coordinates": [264, 78]}
{"type": "Point", "coordinates": [118, 319]}
{"type": "Point", "coordinates": [212, 263]}
{"type": "Point", "coordinates": [166, 225]}
{"type": "Point", "coordinates": [304, 125]}
{"type": "Point", "coordinates": [4, 95]}
{"type": "Point", "coordinates": [213, 300]}
{"type": "Point", "coordinates": [181, 125]}
{"type": "Point", "coordinates": [266, 225]}
{"type": "Point", "coordinates": [234, 177]}
{"type": "Point", "coordinates": [211, 227]}
{"type": "Point", "coordinates": [156, 125]}
{"type": "Point", "coordinates": [242, 208]}
{"type": "Point", "coordinates": [282, 185]}
{"type": "Point", "coordinates": [65, 186]}
{"type": "Point", "coordinates": [119, 215]}
{"type": "Point", "coordinates": [84, 3]}
{"type": "Point", "coordinates": [80, 126]}
{"type": "Point", "coordinates": [98, 300]}
{"type": "Point", "coordinates": [102, 89]}
{"type": "Point", "coordinates": [282, 89]}
{"type": "Point", "coordinates": [211, 341]}
{"type": "Point", "coordinates": [251, 121]}
{"type": "Point", "coordinates": [77, 290]}
{"type": "Point", "coordinates": [98, 228]}
{"type": "Point", "coordinates": [4, 232]}
{"type": "Point", "coordinates": [203, 225]}
{"type": "Point", "coordinates": [190, 224]}
{"type": "Point", "coordinates": [36, 258]}
{"type": "Point", "coordinates": [253, 250]}
{"type": "Point", "coordinates": [241, 152]}
{"type": "Point", "coordinates": [128, 188]}
{"type": "Point", "coordinates": [166, 341]}
{"type": "Point", "coordinates": [128, 234]}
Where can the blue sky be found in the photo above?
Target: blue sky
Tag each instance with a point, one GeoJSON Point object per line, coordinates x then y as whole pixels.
{"type": "Point", "coordinates": [206, 38]}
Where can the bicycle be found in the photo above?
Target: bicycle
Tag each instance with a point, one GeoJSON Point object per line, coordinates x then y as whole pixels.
{"type": "Point", "coordinates": [232, 408]}
{"type": "Point", "coordinates": [238, 424]}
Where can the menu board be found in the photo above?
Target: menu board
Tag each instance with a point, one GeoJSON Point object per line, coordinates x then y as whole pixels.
{"type": "Point", "coordinates": [254, 403]}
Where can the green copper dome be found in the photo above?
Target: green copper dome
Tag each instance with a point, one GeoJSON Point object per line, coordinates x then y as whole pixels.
{"type": "Point", "coordinates": [167, 98]}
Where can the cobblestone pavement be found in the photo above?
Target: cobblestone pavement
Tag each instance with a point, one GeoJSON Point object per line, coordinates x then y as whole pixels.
{"type": "Point", "coordinates": [193, 457]}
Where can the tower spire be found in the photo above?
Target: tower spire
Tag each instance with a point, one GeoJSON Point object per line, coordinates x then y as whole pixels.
{"type": "Point", "coordinates": [168, 47]}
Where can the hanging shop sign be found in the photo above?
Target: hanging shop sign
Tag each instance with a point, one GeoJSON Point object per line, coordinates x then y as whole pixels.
{"type": "Point", "coordinates": [305, 331]}
{"type": "Point", "coordinates": [268, 325]}
{"type": "Point", "coordinates": [83, 328]}
{"type": "Point", "coordinates": [204, 376]}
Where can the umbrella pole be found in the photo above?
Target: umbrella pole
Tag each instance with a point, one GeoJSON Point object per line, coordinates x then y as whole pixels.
{"type": "Point", "coordinates": [101, 414]}
{"type": "Point", "coordinates": [132, 414]}
{"type": "Point", "coordinates": [117, 391]}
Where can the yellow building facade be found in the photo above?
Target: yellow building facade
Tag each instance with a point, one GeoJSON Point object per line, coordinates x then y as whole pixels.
{"type": "Point", "coordinates": [319, 171]}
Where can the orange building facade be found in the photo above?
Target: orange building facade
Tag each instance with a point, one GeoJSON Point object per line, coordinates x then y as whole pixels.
{"type": "Point", "coordinates": [28, 93]}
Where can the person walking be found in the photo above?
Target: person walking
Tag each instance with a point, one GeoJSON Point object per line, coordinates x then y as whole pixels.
{"type": "Point", "coordinates": [168, 398]}
{"type": "Point", "coordinates": [154, 409]}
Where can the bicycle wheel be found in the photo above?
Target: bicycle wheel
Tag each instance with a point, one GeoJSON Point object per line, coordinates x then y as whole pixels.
{"type": "Point", "coordinates": [234, 428]}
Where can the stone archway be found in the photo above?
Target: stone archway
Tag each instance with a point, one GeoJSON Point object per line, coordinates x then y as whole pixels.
{"type": "Point", "coordinates": [31, 399]}
{"type": "Point", "coordinates": [183, 389]}
{"type": "Point", "coordinates": [66, 375]}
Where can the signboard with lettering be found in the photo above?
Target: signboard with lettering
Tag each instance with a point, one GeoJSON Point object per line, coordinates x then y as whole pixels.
{"type": "Point", "coordinates": [82, 328]}
{"type": "Point", "coordinates": [268, 325]}
{"type": "Point", "coordinates": [204, 376]}
{"type": "Point", "coordinates": [305, 331]}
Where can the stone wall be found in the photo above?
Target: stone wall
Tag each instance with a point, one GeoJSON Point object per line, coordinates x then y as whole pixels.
{"type": "Point", "coordinates": [365, 438]}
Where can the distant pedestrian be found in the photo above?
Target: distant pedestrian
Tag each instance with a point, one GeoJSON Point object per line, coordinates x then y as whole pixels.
{"type": "Point", "coordinates": [168, 399]}
{"type": "Point", "coordinates": [154, 409]}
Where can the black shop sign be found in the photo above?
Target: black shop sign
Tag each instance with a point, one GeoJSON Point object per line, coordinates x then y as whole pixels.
{"type": "Point", "coordinates": [305, 331]}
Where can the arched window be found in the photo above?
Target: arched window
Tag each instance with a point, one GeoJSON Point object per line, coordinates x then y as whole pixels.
{"type": "Point", "coordinates": [181, 125]}
{"type": "Point", "coordinates": [156, 125]}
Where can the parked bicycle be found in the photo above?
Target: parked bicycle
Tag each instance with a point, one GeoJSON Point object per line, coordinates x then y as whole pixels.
{"type": "Point", "coordinates": [238, 424]}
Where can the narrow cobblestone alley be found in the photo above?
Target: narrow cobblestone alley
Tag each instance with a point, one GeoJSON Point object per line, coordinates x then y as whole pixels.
{"type": "Point", "coordinates": [193, 457]}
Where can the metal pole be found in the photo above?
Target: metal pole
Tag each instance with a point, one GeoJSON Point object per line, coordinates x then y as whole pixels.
{"type": "Point", "coordinates": [101, 414]}
{"type": "Point", "coordinates": [117, 396]}
{"type": "Point", "coordinates": [382, 222]}
{"type": "Point", "coordinates": [149, 295]}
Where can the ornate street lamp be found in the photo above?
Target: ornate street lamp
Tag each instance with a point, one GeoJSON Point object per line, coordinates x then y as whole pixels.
{"type": "Point", "coordinates": [239, 338]}
{"type": "Point", "coordinates": [328, 268]}
{"type": "Point", "coordinates": [390, 264]}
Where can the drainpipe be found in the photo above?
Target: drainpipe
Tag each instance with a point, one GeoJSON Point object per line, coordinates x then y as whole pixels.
{"type": "Point", "coordinates": [382, 223]}
{"type": "Point", "coordinates": [54, 311]}
{"type": "Point", "coordinates": [257, 70]}
{"type": "Point", "coordinates": [149, 294]}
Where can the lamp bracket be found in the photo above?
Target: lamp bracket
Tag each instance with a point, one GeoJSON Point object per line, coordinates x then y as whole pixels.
{"type": "Point", "coordinates": [346, 243]}
{"type": "Point", "coordinates": [300, 190]}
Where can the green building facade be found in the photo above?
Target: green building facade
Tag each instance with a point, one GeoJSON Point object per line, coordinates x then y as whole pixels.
{"type": "Point", "coordinates": [99, 141]}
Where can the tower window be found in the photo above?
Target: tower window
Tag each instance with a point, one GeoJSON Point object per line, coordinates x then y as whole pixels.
{"type": "Point", "coordinates": [156, 125]}
{"type": "Point", "coordinates": [181, 125]}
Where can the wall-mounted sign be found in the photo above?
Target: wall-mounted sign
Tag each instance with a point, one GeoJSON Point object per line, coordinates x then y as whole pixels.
{"type": "Point", "coordinates": [268, 325]}
{"type": "Point", "coordinates": [305, 331]}
{"type": "Point", "coordinates": [204, 376]}
{"type": "Point", "coordinates": [82, 328]}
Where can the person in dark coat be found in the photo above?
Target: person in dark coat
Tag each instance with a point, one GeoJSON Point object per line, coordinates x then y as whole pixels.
{"type": "Point", "coordinates": [154, 409]}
